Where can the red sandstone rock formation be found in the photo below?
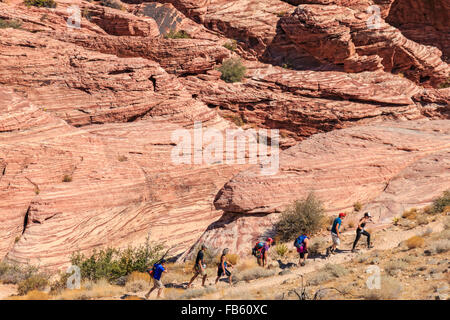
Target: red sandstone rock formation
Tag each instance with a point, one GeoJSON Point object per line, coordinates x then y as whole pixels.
{"type": "Point", "coordinates": [99, 103]}
{"type": "Point", "coordinates": [390, 167]}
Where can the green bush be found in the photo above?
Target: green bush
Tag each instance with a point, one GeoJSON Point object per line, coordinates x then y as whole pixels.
{"type": "Point", "coordinates": [440, 203]}
{"type": "Point", "coordinates": [281, 249]}
{"type": "Point", "coordinates": [40, 3]}
{"type": "Point", "coordinates": [303, 216]}
{"type": "Point", "coordinates": [177, 35]}
{"type": "Point", "coordinates": [232, 70]}
{"type": "Point", "coordinates": [111, 263]}
{"type": "Point", "coordinates": [15, 24]}
{"type": "Point", "coordinates": [231, 45]}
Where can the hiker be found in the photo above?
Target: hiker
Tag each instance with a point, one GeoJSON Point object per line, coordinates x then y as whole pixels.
{"type": "Point", "coordinates": [156, 272]}
{"type": "Point", "coordinates": [199, 267]}
{"type": "Point", "coordinates": [360, 230]}
{"type": "Point", "coordinates": [261, 250]}
{"type": "Point", "coordinates": [335, 235]}
{"type": "Point", "coordinates": [302, 244]}
{"type": "Point", "coordinates": [222, 267]}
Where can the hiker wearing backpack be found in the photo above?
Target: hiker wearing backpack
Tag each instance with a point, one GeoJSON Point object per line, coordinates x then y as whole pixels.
{"type": "Point", "coordinates": [360, 231]}
{"type": "Point", "coordinates": [199, 267]}
{"type": "Point", "coordinates": [302, 244]}
{"type": "Point", "coordinates": [261, 250]}
{"type": "Point", "coordinates": [156, 273]}
{"type": "Point", "coordinates": [335, 234]}
{"type": "Point", "coordinates": [222, 267]}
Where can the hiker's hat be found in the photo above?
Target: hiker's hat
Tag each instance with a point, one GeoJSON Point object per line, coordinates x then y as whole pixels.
{"type": "Point", "coordinates": [225, 251]}
{"type": "Point", "coordinates": [163, 261]}
{"type": "Point", "coordinates": [342, 214]}
{"type": "Point", "coordinates": [203, 246]}
{"type": "Point", "coordinates": [367, 214]}
{"type": "Point", "coordinates": [270, 240]}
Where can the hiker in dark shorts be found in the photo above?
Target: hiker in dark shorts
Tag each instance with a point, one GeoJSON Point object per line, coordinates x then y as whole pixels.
{"type": "Point", "coordinates": [302, 244]}
{"type": "Point", "coordinates": [158, 269]}
{"type": "Point", "coordinates": [222, 267]}
{"type": "Point", "coordinates": [335, 234]}
{"type": "Point", "coordinates": [199, 267]}
{"type": "Point", "coordinates": [360, 231]}
{"type": "Point", "coordinates": [262, 260]}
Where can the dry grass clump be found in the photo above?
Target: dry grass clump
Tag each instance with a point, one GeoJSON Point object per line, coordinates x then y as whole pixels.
{"type": "Point", "coordinates": [246, 264]}
{"type": "Point", "coordinates": [233, 258]}
{"type": "Point", "coordinates": [91, 290]}
{"type": "Point", "coordinates": [32, 295]}
{"type": "Point", "coordinates": [318, 245]}
{"type": "Point", "coordinates": [390, 289]}
{"type": "Point", "coordinates": [172, 293]}
{"type": "Point", "coordinates": [357, 206]}
{"type": "Point", "coordinates": [254, 273]}
{"type": "Point", "coordinates": [196, 293]}
{"type": "Point", "coordinates": [415, 242]}
{"type": "Point", "coordinates": [410, 214]}
{"type": "Point", "coordinates": [327, 273]}
{"type": "Point", "coordinates": [441, 246]}
{"type": "Point", "coordinates": [137, 286]}
{"type": "Point", "coordinates": [392, 267]}
{"type": "Point", "coordinates": [136, 276]}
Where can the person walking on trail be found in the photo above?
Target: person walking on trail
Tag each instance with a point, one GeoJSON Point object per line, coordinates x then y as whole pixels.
{"type": "Point", "coordinates": [263, 256]}
{"type": "Point", "coordinates": [157, 270]}
{"type": "Point", "coordinates": [302, 244]}
{"type": "Point", "coordinates": [360, 231]}
{"type": "Point", "coordinates": [222, 267]}
{"type": "Point", "coordinates": [199, 267]}
{"type": "Point", "coordinates": [335, 234]}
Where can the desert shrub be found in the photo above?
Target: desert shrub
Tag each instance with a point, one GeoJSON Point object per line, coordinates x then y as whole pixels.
{"type": "Point", "coordinates": [317, 245]}
{"type": "Point", "coordinates": [15, 24]}
{"type": "Point", "coordinates": [392, 267]}
{"type": "Point", "coordinates": [238, 294]}
{"type": "Point", "coordinates": [233, 258]}
{"type": "Point", "coordinates": [122, 158]}
{"type": "Point", "coordinates": [357, 206]}
{"type": "Point", "coordinates": [440, 203]}
{"type": "Point", "coordinates": [231, 45]}
{"type": "Point", "coordinates": [319, 277]}
{"type": "Point", "coordinates": [445, 84]}
{"type": "Point", "coordinates": [67, 178]}
{"type": "Point", "coordinates": [427, 232]}
{"type": "Point", "coordinates": [335, 270]}
{"type": "Point", "coordinates": [253, 273]}
{"type": "Point", "coordinates": [422, 220]}
{"type": "Point", "coordinates": [40, 3]}
{"type": "Point", "coordinates": [91, 290]}
{"type": "Point", "coordinates": [111, 4]}
{"type": "Point", "coordinates": [12, 273]}
{"type": "Point", "coordinates": [441, 246]}
{"type": "Point", "coordinates": [112, 264]}
{"type": "Point", "coordinates": [246, 264]}
{"type": "Point", "coordinates": [414, 242]}
{"type": "Point", "coordinates": [389, 289]}
{"type": "Point", "coordinates": [37, 295]}
{"type": "Point", "coordinates": [303, 216]}
{"type": "Point", "coordinates": [232, 70]}
{"type": "Point", "coordinates": [173, 34]}
{"type": "Point", "coordinates": [34, 282]}
{"type": "Point", "coordinates": [410, 214]}
{"type": "Point", "coordinates": [137, 286]}
{"type": "Point", "coordinates": [281, 249]}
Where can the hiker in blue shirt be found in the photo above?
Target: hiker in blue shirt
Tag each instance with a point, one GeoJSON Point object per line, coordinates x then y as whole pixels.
{"type": "Point", "coordinates": [157, 270]}
{"type": "Point", "coordinates": [335, 234]}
